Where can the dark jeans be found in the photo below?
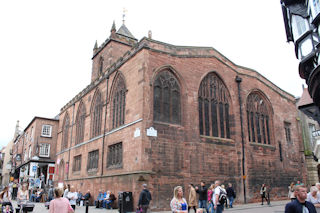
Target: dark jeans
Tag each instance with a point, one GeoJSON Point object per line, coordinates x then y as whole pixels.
{"type": "Point", "coordinates": [203, 205]}
{"type": "Point", "coordinates": [231, 201]}
{"type": "Point", "coordinates": [263, 196]}
{"type": "Point", "coordinates": [144, 208]}
{"type": "Point", "coordinates": [219, 209]}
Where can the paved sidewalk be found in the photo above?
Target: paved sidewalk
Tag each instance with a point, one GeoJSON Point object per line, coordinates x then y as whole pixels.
{"type": "Point", "coordinates": [275, 207]}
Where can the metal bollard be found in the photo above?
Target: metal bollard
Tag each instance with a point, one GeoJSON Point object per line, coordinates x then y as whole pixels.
{"type": "Point", "coordinates": [87, 206]}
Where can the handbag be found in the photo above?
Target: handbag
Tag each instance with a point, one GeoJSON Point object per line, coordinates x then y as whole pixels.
{"type": "Point", "coordinates": [139, 210]}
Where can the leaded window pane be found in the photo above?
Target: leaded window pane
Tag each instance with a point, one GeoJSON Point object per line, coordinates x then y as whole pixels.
{"type": "Point", "coordinates": [258, 119]}
{"type": "Point", "coordinates": [65, 136]}
{"type": "Point", "coordinates": [93, 158]}
{"type": "Point", "coordinates": [166, 98]}
{"type": "Point", "coordinates": [200, 116]}
{"type": "Point", "coordinates": [214, 117]}
{"type": "Point", "coordinates": [119, 101]}
{"type": "Point", "coordinates": [80, 124]}
{"type": "Point", "coordinates": [115, 156]}
{"type": "Point", "coordinates": [97, 116]}
{"type": "Point", "coordinates": [227, 120]}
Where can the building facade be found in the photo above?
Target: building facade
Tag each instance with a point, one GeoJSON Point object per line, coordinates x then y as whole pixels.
{"type": "Point", "coordinates": [308, 127]}
{"type": "Point", "coordinates": [7, 168]}
{"type": "Point", "coordinates": [171, 115]}
{"type": "Point", "coordinates": [34, 151]}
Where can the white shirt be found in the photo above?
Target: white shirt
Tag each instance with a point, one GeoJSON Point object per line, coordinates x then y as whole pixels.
{"type": "Point", "coordinates": [313, 200]}
{"type": "Point", "coordinates": [72, 196]}
{"type": "Point", "coordinates": [305, 209]}
{"type": "Point", "coordinates": [216, 192]}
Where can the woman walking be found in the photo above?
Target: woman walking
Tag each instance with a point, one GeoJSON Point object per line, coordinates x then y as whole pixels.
{"type": "Point", "coordinates": [178, 203]}
{"type": "Point", "coordinates": [263, 190]}
{"type": "Point", "coordinates": [210, 203]}
{"type": "Point", "coordinates": [192, 198]}
{"type": "Point", "coordinates": [60, 204]}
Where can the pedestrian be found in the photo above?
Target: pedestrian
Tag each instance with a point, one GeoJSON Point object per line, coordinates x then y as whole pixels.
{"type": "Point", "coordinates": [300, 205]}
{"type": "Point", "coordinates": [144, 199]}
{"type": "Point", "coordinates": [15, 189]}
{"type": "Point", "coordinates": [60, 204]}
{"type": "Point", "coordinates": [291, 191]}
{"type": "Point", "coordinates": [178, 203]}
{"type": "Point", "coordinates": [263, 190]}
{"type": "Point", "coordinates": [51, 193]}
{"type": "Point", "coordinates": [231, 194]}
{"type": "Point", "coordinates": [23, 193]}
{"type": "Point", "coordinates": [299, 183]}
{"type": "Point", "coordinates": [218, 207]}
{"type": "Point", "coordinates": [314, 198]}
{"type": "Point", "coordinates": [5, 197]}
{"type": "Point", "coordinates": [42, 181]}
{"type": "Point", "coordinates": [203, 196]}
{"type": "Point", "coordinates": [72, 196]}
{"type": "Point", "coordinates": [192, 198]}
{"type": "Point", "coordinates": [226, 201]}
{"type": "Point", "coordinates": [210, 192]}
{"type": "Point", "coordinates": [66, 190]}
{"type": "Point", "coordinates": [318, 186]}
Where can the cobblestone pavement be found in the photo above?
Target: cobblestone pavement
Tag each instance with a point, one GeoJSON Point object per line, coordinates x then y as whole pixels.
{"type": "Point", "coordinates": [275, 207]}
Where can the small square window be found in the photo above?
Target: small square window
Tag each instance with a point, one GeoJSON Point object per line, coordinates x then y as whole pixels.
{"type": "Point", "coordinates": [46, 131]}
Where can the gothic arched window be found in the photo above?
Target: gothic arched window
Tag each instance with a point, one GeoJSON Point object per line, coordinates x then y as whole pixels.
{"type": "Point", "coordinates": [80, 123]}
{"type": "Point", "coordinates": [213, 100]}
{"type": "Point", "coordinates": [118, 103]}
{"type": "Point", "coordinates": [65, 132]}
{"type": "Point", "coordinates": [96, 116]}
{"type": "Point", "coordinates": [258, 119]}
{"type": "Point", "coordinates": [166, 98]}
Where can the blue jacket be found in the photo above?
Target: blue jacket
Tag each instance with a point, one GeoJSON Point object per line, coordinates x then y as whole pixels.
{"type": "Point", "coordinates": [100, 196]}
{"type": "Point", "coordinates": [296, 207]}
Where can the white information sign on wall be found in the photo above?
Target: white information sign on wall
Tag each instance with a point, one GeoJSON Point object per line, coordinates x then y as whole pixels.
{"type": "Point", "coordinates": [137, 132]}
{"type": "Point", "coordinates": [152, 132]}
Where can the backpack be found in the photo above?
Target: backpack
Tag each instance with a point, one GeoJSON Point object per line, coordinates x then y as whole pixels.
{"type": "Point", "coordinates": [222, 196]}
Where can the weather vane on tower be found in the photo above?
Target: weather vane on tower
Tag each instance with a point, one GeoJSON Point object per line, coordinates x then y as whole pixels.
{"type": "Point", "coordinates": [124, 15]}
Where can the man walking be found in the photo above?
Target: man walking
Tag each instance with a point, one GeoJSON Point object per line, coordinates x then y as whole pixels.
{"type": "Point", "coordinates": [300, 205]}
{"type": "Point", "coordinates": [231, 194]}
{"type": "Point", "coordinates": [218, 207]}
{"type": "Point", "coordinates": [203, 195]}
{"type": "Point", "coordinates": [144, 199]}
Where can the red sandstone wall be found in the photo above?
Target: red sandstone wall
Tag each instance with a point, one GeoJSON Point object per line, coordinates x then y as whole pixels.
{"type": "Point", "coordinates": [179, 155]}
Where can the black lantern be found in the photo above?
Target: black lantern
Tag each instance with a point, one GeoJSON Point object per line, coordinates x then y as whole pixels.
{"type": "Point", "coordinates": [302, 20]}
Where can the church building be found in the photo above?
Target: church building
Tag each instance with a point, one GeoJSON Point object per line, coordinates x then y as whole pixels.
{"type": "Point", "coordinates": [169, 115]}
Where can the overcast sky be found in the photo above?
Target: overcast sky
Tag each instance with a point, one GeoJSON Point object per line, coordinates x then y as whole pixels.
{"type": "Point", "coordinates": [46, 46]}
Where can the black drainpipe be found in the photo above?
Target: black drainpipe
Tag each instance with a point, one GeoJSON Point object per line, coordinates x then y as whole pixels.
{"type": "Point", "coordinates": [239, 80]}
{"type": "Point", "coordinates": [105, 126]}
{"type": "Point", "coordinates": [72, 124]}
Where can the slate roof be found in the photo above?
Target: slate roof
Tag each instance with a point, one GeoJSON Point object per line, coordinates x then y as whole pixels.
{"type": "Point", "coordinates": [123, 30]}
